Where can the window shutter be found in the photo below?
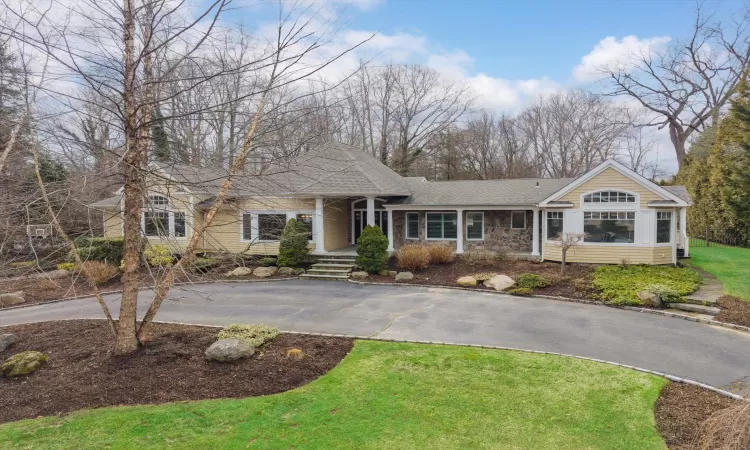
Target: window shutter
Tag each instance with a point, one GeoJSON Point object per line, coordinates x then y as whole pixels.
{"type": "Point", "coordinates": [247, 227]}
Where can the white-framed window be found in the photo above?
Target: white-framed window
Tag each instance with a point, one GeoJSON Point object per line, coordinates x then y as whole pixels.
{"type": "Point", "coordinates": [267, 226]}
{"type": "Point", "coordinates": [518, 220]}
{"type": "Point", "coordinates": [609, 197]}
{"type": "Point", "coordinates": [663, 227]}
{"type": "Point", "coordinates": [412, 225]}
{"type": "Point", "coordinates": [158, 220]}
{"type": "Point", "coordinates": [554, 225]}
{"type": "Point", "coordinates": [442, 226]}
{"type": "Point", "coordinates": [609, 227]}
{"type": "Point", "coordinates": [475, 226]}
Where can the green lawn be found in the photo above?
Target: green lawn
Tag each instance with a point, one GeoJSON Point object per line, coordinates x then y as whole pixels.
{"type": "Point", "coordinates": [392, 395]}
{"type": "Point", "coordinates": [731, 265]}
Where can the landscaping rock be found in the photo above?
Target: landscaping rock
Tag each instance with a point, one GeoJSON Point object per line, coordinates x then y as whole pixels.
{"type": "Point", "coordinates": [265, 272]}
{"type": "Point", "coordinates": [500, 282]}
{"type": "Point", "coordinates": [359, 275]}
{"type": "Point", "coordinates": [6, 340]}
{"type": "Point", "coordinates": [467, 281]}
{"type": "Point", "coordinates": [227, 350]}
{"type": "Point", "coordinates": [649, 298]}
{"type": "Point", "coordinates": [403, 276]}
{"type": "Point", "coordinates": [12, 298]}
{"type": "Point", "coordinates": [286, 271]}
{"type": "Point", "coordinates": [384, 273]}
{"type": "Point", "coordinates": [23, 363]}
{"type": "Point", "coordinates": [240, 271]}
{"type": "Point", "coordinates": [298, 271]}
{"type": "Point", "coordinates": [392, 273]}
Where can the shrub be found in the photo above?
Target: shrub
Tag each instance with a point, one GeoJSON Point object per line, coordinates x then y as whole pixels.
{"type": "Point", "coordinates": [484, 276]}
{"type": "Point", "coordinates": [295, 353]}
{"type": "Point", "coordinates": [109, 250]}
{"type": "Point", "coordinates": [99, 272]}
{"type": "Point", "coordinates": [372, 250]}
{"type": "Point", "coordinates": [69, 266]}
{"type": "Point", "coordinates": [441, 254]}
{"type": "Point", "coordinates": [412, 257]}
{"type": "Point", "coordinates": [255, 335]}
{"type": "Point", "coordinates": [293, 245]}
{"type": "Point", "coordinates": [666, 294]}
{"type": "Point", "coordinates": [519, 291]}
{"type": "Point", "coordinates": [267, 261]}
{"type": "Point", "coordinates": [531, 280]}
{"type": "Point", "coordinates": [203, 264]}
{"type": "Point", "coordinates": [620, 285]}
{"type": "Point", "coordinates": [479, 257]}
{"type": "Point", "coordinates": [158, 255]}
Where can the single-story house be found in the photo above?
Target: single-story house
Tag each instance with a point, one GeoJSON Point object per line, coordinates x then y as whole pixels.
{"type": "Point", "coordinates": [336, 190]}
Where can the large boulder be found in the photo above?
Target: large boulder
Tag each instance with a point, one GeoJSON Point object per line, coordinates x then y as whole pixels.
{"type": "Point", "coordinates": [12, 298]}
{"type": "Point", "coordinates": [227, 350]}
{"type": "Point", "coordinates": [265, 272]}
{"type": "Point", "coordinates": [500, 282]}
{"type": "Point", "coordinates": [298, 271]}
{"type": "Point", "coordinates": [286, 271]}
{"type": "Point", "coordinates": [361, 275]}
{"type": "Point", "coordinates": [467, 281]}
{"type": "Point", "coordinates": [403, 276]}
{"type": "Point", "coordinates": [649, 298]}
{"type": "Point", "coordinates": [239, 272]}
{"type": "Point", "coordinates": [6, 340]}
{"type": "Point", "coordinates": [23, 363]}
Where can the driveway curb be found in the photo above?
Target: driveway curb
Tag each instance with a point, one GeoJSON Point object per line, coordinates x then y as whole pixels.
{"type": "Point", "coordinates": [657, 312]}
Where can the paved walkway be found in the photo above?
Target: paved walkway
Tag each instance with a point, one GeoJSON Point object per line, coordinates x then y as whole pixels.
{"type": "Point", "coordinates": [713, 355]}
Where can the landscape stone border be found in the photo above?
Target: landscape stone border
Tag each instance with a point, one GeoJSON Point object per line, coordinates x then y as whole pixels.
{"type": "Point", "coordinates": [658, 312]}
{"type": "Point", "coordinates": [669, 377]}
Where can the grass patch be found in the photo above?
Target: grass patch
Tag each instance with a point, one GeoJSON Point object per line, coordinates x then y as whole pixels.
{"type": "Point", "coordinates": [731, 265]}
{"type": "Point", "coordinates": [392, 395]}
{"type": "Point", "coordinates": [620, 285]}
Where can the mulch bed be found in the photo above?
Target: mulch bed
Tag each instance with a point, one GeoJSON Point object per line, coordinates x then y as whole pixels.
{"type": "Point", "coordinates": [45, 289]}
{"type": "Point", "coordinates": [576, 283]}
{"type": "Point", "coordinates": [82, 373]}
{"type": "Point", "coordinates": [734, 310]}
{"type": "Point", "coordinates": [680, 411]}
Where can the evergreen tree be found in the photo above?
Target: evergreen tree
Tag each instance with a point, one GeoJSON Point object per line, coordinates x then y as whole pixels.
{"type": "Point", "coordinates": [737, 190]}
{"type": "Point", "coordinates": [160, 137]}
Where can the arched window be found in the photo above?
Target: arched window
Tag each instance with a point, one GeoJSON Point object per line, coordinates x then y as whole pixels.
{"type": "Point", "coordinates": [609, 197]}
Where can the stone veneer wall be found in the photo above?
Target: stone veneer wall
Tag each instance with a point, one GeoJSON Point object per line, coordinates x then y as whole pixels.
{"type": "Point", "coordinates": [498, 236]}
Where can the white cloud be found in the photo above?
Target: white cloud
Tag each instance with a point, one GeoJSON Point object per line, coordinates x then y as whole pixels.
{"type": "Point", "coordinates": [611, 53]}
{"type": "Point", "coordinates": [361, 4]}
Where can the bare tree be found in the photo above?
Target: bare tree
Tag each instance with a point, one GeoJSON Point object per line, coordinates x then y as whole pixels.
{"type": "Point", "coordinates": [685, 86]}
{"type": "Point", "coordinates": [568, 241]}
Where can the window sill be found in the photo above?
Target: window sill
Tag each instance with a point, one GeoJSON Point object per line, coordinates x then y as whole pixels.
{"type": "Point", "coordinates": [441, 239]}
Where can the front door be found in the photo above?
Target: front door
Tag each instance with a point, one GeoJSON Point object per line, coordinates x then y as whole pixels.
{"type": "Point", "coordinates": [360, 221]}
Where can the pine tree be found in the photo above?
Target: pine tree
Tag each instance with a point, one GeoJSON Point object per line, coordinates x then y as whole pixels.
{"type": "Point", "coordinates": [160, 137]}
{"type": "Point", "coordinates": [737, 189]}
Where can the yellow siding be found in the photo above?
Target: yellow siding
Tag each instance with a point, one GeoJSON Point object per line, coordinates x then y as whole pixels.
{"type": "Point", "coordinates": [112, 223]}
{"type": "Point", "coordinates": [336, 221]}
{"type": "Point", "coordinates": [610, 179]}
{"type": "Point", "coordinates": [610, 254]}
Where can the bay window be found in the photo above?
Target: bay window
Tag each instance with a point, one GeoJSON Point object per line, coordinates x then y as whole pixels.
{"type": "Point", "coordinates": [442, 226]}
{"type": "Point", "coordinates": [554, 225]}
{"type": "Point", "coordinates": [613, 227]}
{"type": "Point", "coordinates": [663, 227]}
{"type": "Point", "coordinates": [475, 226]}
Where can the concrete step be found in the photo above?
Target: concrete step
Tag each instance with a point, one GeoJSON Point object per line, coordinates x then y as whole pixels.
{"type": "Point", "coordinates": [330, 271]}
{"type": "Point", "coordinates": [336, 260]}
{"type": "Point", "coordinates": [700, 309]}
{"type": "Point", "coordinates": [314, 276]}
{"type": "Point", "coordinates": [332, 266]}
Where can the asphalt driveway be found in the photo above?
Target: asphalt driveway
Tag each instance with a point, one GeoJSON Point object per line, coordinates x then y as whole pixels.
{"type": "Point", "coordinates": [713, 355]}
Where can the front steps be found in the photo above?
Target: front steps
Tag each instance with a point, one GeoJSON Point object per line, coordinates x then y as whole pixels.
{"type": "Point", "coordinates": [703, 301]}
{"type": "Point", "coordinates": [331, 268]}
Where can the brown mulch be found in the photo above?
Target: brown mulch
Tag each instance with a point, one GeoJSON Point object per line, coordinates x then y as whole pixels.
{"type": "Point", "coordinates": [680, 411]}
{"type": "Point", "coordinates": [45, 289]}
{"type": "Point", "coordinates": [82, 373]}
{"type": "Point", "coordinates": [576, 283]}
{"type": "Point", "coordinates": [734, 310]}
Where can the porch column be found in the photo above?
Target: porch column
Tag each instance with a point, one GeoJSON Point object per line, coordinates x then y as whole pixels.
{"type": "Point", "coordinates": [460, 231]}
{"type": "Point", "coordinates": [390, 231]}
{"type": "Point", "coordinates": [535, 234]}
{"type": "Point", "coordinates": [371, 211]}
{"type": "Point", "coordinates": [319, 230]}
{"type": "Point", "coordinates": [683, 231]}
{"type": "Point", "coordinates": [673, 231]}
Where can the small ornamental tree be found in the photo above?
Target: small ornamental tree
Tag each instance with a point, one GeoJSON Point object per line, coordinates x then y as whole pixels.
{"type": "Point", "coordinates": [568, 241]}
{"type": "Point", "coordinates": [293, 245]}
{"type": "Point", "coordinates": [372, 250]}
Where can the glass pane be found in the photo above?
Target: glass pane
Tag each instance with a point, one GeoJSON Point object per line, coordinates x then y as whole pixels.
{"type": "Point", "coordinates": [156, 223]}
{"type": "Point", "coordinates": [179, 224]}
{"type": "Point", "coordinates": [270, 226]}
{"type": "Point", "coordinates": [450, 226]}
{"type": "Point", "coordinates": [474, 225]}
{"type": "Point", "coordinates": [412, 226]}
{"type": "Point", "coordinates": [518, 220]}
{"type": "Point", "coordinates": [597, 197]}
{"type": "Point", "coordinates": [663, 231]}
{"type": "Point", "coordinates": [307, 221]}
{"type": "Point", "coordinates": [554, 229]}
{"type": "Point", "coordinates": [610, 229]}
{"type": "Point", "coordinates": [434, 226]}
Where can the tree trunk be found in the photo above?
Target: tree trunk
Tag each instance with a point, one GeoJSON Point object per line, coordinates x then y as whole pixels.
{"type": "Point", "coordinates": [678, 140]}
{"type": "Point", "coordinates": [562, 263]}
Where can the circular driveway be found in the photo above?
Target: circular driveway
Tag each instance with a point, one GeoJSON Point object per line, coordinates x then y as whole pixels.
{"type": "Point", "coordinates": [713, 355]}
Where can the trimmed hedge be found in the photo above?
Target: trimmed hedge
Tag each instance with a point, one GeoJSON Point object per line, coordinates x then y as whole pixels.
{"type": "Point", "coordinates": [372, 250]}
{"type": "Point", "coordinates": [293, 246]}
{"type": "Point", "coordinates": [620, 285]}
{"type": "Point", "coordinates": [108, 250]}
{"type": "Point", "coordinates": [531, 280]}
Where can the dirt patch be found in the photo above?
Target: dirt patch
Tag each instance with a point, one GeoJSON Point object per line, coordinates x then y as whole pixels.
{"type": "Point", "coordinates": [734, 310]}
{"type": "Point", "coordinates": [81, 373]}
{"type": "Point", "coordinates": [680, 411]}
{"type": "Point", "coordinates": [577, 282]}
{"type": "Point", "coordinates": [45, 289]}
